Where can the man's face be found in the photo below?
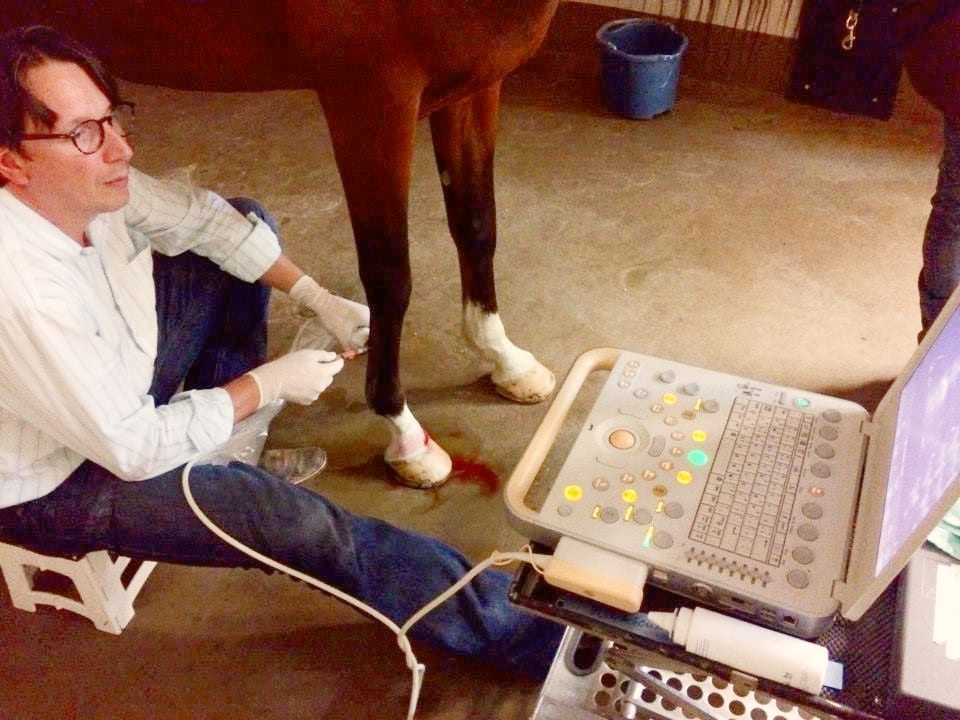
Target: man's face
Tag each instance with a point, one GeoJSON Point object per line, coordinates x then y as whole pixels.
{"type": "Point", "coordinates": [53, 177]}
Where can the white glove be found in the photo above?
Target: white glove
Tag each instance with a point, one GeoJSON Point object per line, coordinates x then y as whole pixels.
{"type": "Point", "coordinates": [299, 376]}
{"type": "Point", "coordinates": [347, 321]}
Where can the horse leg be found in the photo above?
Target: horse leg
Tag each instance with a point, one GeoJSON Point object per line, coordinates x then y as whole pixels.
{"type": "Point", "coordinates": [372, 135]}
{"type": "Point", "coordinates": [464, 136]}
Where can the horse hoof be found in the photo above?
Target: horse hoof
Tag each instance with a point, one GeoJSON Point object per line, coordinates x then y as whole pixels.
{"type": "Point", "coordinates": [533, 386]}
{"type": "Point", "coordinates": [428, 468]}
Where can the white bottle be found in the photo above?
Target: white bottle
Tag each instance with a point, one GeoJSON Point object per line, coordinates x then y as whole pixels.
{"type": "Point", "coordinates": [747, 647]}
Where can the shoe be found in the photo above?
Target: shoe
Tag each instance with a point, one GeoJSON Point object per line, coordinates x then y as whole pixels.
{"type": "Point", "coordinates": [295, 465]}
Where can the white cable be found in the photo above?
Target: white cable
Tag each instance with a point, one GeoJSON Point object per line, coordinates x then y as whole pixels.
{"type": "Point", "coordinates": [497, 558]}
{"type": "Point", "coordinates": [417, 669]}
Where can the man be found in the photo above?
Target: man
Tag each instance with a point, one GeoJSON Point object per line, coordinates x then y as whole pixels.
{"type": "Point", "coordinates": [115, 290]}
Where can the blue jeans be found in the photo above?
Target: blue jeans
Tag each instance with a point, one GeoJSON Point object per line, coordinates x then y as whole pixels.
{"type": "Point", "coordinates": [941, 242]}
{"type": "Point", "coordinates": [213, 328]}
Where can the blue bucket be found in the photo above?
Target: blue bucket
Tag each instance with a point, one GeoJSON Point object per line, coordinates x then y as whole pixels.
{"type": "Point", "coordinates": [640, 66]}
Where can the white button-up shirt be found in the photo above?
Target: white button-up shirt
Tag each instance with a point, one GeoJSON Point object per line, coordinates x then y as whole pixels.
{"type": "Point", "coordinates": [78, 336]}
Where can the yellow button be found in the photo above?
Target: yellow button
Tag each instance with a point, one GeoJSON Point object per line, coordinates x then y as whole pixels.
{"type": "Point", "coordinates": [622, 439]}
{"type": "Point", "coordinates": [684, 477]}
{"type": "Point", "coordinates": [669, 399]}
{"type": "Point", "coordinates": [573, 492]}
{"type": "Point", "coordinates": [698, 435]}
{"type": "Point", "coordinates": [629, 495]}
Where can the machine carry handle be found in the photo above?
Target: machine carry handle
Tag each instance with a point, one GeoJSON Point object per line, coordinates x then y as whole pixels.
{"type": "Point", "coordinates": [603, 358]}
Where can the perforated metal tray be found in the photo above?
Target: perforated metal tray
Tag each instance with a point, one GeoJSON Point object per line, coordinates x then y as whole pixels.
{"type": "Point", "coordinates": [595, 680]}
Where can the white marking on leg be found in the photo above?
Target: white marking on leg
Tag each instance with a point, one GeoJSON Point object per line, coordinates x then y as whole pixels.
{"type": "Point", "coordinates": [485, 331]}
{"type": "Point", "coordinates": [416, 459]}
{"type": "Point", "coordinates": [407, 436]}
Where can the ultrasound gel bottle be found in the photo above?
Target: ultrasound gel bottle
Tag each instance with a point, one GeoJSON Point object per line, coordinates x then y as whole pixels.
{"type": "Point", "coordinates": [747, 647]}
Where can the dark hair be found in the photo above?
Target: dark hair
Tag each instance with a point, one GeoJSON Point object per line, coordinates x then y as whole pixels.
{"type": "Point", "coordinates": [27, 47]}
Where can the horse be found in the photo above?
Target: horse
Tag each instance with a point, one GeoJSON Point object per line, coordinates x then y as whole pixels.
{"type": "Point", "coordinates": [928, 33]}
{"type": "Point", "coordinates": [377, 67]}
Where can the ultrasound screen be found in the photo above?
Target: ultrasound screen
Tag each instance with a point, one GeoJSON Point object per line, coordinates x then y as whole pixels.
{"type": "Point", "coordinates": [926, 446]}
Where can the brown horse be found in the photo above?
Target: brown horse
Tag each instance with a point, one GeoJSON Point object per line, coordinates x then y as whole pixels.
{"type": "Point", "coordinates": [929, 34]}
{"type": "Point", "coordinates": [377, 67]}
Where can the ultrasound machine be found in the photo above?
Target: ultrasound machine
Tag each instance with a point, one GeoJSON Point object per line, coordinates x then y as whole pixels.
{"type": "Point", "coordinates": [654, 484]}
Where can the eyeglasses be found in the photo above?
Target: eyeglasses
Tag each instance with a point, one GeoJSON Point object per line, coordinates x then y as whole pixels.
{"type": "Point", "coordinates": [88, 136]}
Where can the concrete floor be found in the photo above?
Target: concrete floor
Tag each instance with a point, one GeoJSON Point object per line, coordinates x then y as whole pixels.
{"type": "Point", "coordinates": [739, 232]}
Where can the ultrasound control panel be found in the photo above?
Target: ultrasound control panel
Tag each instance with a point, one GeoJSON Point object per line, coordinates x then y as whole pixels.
{"type": "Point", "coordinates": [736, 492]}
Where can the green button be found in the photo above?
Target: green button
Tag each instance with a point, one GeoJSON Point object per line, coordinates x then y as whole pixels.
{"type": "Point", "coordinates": [697, 457]}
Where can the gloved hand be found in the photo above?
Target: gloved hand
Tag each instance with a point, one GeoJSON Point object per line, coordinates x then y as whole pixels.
{"type": "Point", "coordinates": [299, 376]}
{"type": "Point", "coordinates": [347, 321]}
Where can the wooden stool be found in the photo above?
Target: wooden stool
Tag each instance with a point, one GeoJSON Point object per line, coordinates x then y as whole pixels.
{"type": "Point", "coordinates": [105, 598]}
